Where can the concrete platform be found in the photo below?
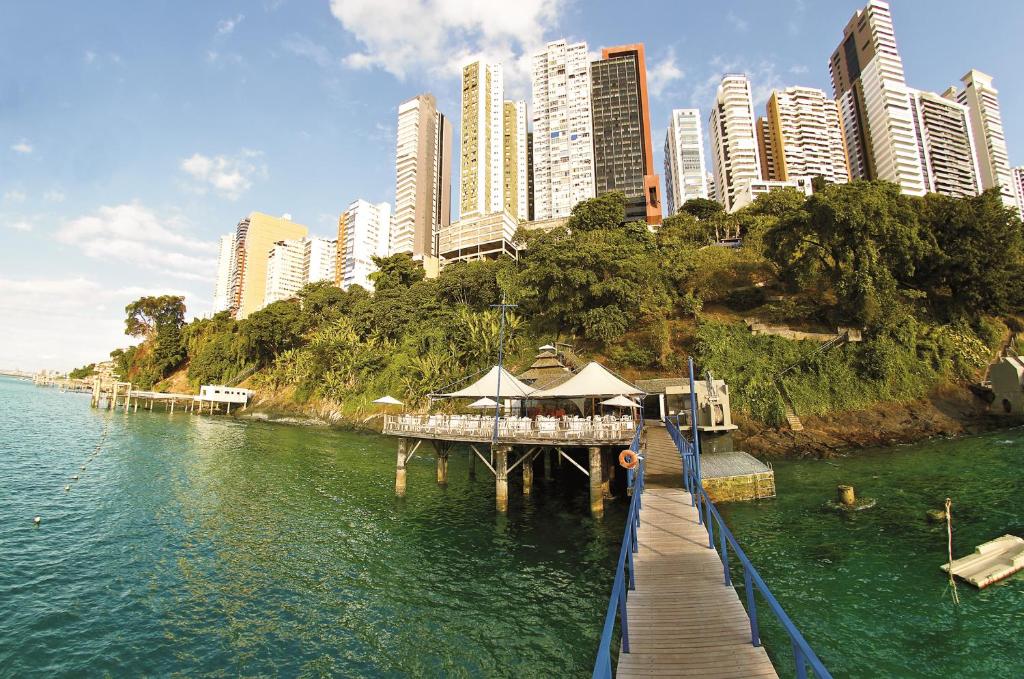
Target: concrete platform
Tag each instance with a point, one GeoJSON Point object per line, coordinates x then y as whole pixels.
{"type": "Point", "coordinates": [991, 561]}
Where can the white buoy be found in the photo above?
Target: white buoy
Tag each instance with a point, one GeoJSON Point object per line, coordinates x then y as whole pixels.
{"type": "Point", "coordinates": [83, 467]}
{"type": "Point", "coordinates": [66, 488]}
{"type": "Point", "coordinates": [37, 520]}
{"type": "Point", "coordinates": [75, 477]}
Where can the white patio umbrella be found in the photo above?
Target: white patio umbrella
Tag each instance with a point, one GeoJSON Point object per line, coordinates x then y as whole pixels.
{"type": "Point", "coordinates": [619, 401]}
{"type": "Point", "coordinates": [483, 403]}
{"type": "Point", "coordinates": [388, 401]}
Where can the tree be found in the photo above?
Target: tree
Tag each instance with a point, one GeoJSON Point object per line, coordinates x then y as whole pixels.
{"type": "Point", "coordinates": [396, 271]}
{"type": "Point", "coordinates": [83, 372]}
{"type": "Point", "coordinates": [977, 265]}
{"type": "Point", "coordinates": [473, 284]}
{"type": "Point", "coordinates": [604, 212]}
{"type": "Point", "coordinates": [323, 302]}
{"type": "Point", "coordinates": [702, 208]}
{"type": "Point", "coordinates": [147, 315]}
{"type": "Point", "coordinates": [273, 329]}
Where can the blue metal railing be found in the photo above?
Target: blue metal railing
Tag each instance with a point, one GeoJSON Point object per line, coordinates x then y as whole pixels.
{"type": "Point", "coordinates": [620, 587]}
{"type": "Point", "coordinates": [708, 515]}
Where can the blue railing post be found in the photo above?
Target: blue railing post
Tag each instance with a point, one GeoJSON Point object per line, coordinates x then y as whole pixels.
{"type": "Point", "coordinates": [798, 657]}
{"type": "Point", "coordinates": [755, 632]}
{"type": "Point", "coordinates": [624, 620]}
{"type": "Point", "coordinates": [725, 557]}
{"type": "Point", "coordinates": [693, 422]}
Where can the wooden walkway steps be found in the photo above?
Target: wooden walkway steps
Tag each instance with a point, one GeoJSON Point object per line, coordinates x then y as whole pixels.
{"type": "Point", "coordinates": [661, 457]}
{"type": "Point", "coordinates": [683, 622]}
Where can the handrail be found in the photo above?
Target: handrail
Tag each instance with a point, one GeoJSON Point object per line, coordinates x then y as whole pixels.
{"type": "Point", "coordinates": [803, 654]}
{"type": "Point", "coordinates": [620, 588]}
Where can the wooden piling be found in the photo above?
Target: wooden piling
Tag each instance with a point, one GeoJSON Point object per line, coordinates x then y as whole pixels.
{"type": "Point", "coordinates": [596, 492]}
{"type": "Point", "coordinates": [547, 463]}
{"type": "Point", "coordinates": [403, 447]}
{"type": "Point", "coordinates": [442, 467]}
{"type": "Point", "coordinates": [472, 465]}
{"type": "Point", "coordinates": [501, 478]}
{"type": "Point", "coordinates": [528, 473]}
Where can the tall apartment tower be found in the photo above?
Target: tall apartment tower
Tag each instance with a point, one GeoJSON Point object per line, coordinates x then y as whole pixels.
{"type": "Point", "coordinates": [982, 102]}
{"type": "Point", "coordinates": [621, 121]}
{"type": "Point", "coordinates": [363, 233]}
{"type": "Point", "coordinates": [515, 145]}
{"type": "Point", "coordinates": [529, 176]}
{"type": "Point", "coordinates": [1017, 174]}
{"type": "Point", "coordinates": [482, 162]}
{"type": "Point", "coordinates": [255, 236]}
{"type": "Point", "coordinates": [423, 181]}
{"type": "Point", "coordinates": [563, 149]}
{"type": "Point", "coordinates": [320, 260]}
{"type": "Point", "coordinates": [734, 148]}
{"type": "Point", "coordinates": [685, 174]}
{"type": "Point", "coordinates": [801, 135]}
{"type": "Point", "coordinates": [222, 286]}
{"type": "Point", "coordinates": [947, 145]}
{"type": "Point", "coordinates": [286, 265]}
{"type": "Point", "coordinates": [875, 103]}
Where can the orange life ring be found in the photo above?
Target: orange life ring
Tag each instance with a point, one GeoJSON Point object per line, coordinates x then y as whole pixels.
{"type": "Point", "coordinates": [629, 459]}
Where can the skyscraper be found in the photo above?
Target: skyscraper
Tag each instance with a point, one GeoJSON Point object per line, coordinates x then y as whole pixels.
{"type": "Point", "coordinates": [685, 173]}
{"type": "Point", "coordinates": [255, 236]}
{"type": "Point", "coordinates": [801, 135]}
{"type": "Point", "coordinates": [320, 259]}
{"type": "Point", "coordinates": [875, 103]}
{"type": "Point", "coordinates": [733, 145]}
{"type": "Point", "coordinates": [482, 162]}
{"type": "Point", "coordinates": [423, 182]}
{"type": "Point", "coordinates": [515, 185]}
{"type": "Point", "coordinates": [529, 175]}
{"type": "Point", "coordinates": [621, 121]}
{"type": "Point", "coordinates": [1018, 187]}
{"type": "Point", "coordinates": [286, 265]}
{"type": "Point", "coordinates": [563, 150]}
{"type": "Point", "coordinates": [363, 233]}
{"type": "Point", "coordinates": [947, 145]}
{"type": "Point", "coordinates": [982, 102]}
{"type": "Point", "coordinates": [222, 286]}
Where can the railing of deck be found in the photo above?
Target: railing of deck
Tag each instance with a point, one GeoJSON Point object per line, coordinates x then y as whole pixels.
{"type": "Point", "coordinates": [621, 586]}
{"type": "Point", "coordinates": [612, 429]}
{"type": "Point", "coordinates": [707, 513]}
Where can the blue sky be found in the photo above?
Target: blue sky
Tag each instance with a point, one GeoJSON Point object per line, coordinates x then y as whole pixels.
{"type": "Point", "coordinates": [132, 134]}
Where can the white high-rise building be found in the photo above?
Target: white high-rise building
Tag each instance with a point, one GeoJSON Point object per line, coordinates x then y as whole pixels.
{"type": "Point", "coordinates": [423, 177]}
{"type": "Point", "coordinates": [685, 173]}
{"type": "Point", "coordinates": [947, 145]}
{"type": "Point", "coordinates": [482, 165]}
{"type": "Point", "coordinates": [321, 258]}
{"type": "Point", "coordinates": [515, 182]}
{"type": "Point", "coordinates": [363, 233]}
{"type": "Point", "coordinates": [286, 275]}
{"type": "Point", "coordinates": [802, 136]}
{"type": "Point", "coordinates": [982, 102]}
{"type": "Point", "coordinates": [1018, 187]}
{"type": "Point", "coordinates": [563, 149]}
{"type": "Point", "coordinates": [225, 264]}
{"type": "Point", "coordinates": [733, 140]}
{"type": "Point", "coordinates": [875, 104]}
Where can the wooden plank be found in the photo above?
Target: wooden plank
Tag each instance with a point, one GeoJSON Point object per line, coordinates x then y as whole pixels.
{"type": "Point", "coordinates": [683, 620]}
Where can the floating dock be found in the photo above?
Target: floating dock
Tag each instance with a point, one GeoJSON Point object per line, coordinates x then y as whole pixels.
{"type": "Point", "coordinates": [991, 561]}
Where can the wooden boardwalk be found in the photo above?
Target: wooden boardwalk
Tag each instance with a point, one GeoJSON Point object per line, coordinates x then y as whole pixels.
{"type": "Point", "coordinates": [683, 622]}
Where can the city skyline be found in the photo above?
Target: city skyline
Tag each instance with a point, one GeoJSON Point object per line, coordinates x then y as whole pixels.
{"type": "Point", "coordinates": [91, 221]}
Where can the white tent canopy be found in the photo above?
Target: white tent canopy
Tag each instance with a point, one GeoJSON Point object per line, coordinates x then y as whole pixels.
{"type": "Point", "coordinates": [619, 401]}
{"type": "Point", "coordinates": [594, 380]}
{"type": "Point", "coordinates": [483, 403]}
{"type": "Point", "coordinates": [388, 400]}
{"type": "Point", "coordinates": [488, 386]}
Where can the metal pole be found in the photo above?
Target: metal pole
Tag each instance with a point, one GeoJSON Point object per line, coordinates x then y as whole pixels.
{"type": "Point", "coordinates": [501, 353]}
{"type": "Point", "coordinates": [693, 417]}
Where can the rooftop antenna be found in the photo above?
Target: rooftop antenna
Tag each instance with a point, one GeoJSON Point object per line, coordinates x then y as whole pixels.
{"type": "Point", "coordinates": [501, 354]}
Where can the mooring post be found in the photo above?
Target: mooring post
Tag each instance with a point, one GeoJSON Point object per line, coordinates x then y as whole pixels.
{"type": "Point", "coordinates": [501, 478]}
{"type": "Point", "coordinates": [403, 446]}
{"type": "Point", "coordinates": [547, 463]}
{"type": "Point", "coordinates": [607, 472]}
{"type": "Point", "coordinates": [441, 453]}
{"type": "Point", "coordinates": [528, 474]}
{"type": "Point", "coordinates": [596, 492]}
{"type": "Point", "coordinates": [472, 465]}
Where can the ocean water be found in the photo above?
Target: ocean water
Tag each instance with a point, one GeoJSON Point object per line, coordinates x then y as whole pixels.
{"type": "Point", "coordinates": [200, 546]}
{"type": "Point", "coordinates": [865, 588]}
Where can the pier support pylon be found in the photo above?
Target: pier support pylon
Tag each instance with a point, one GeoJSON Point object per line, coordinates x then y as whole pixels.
{"type": "Point", "coordinates": [403, 447]}
{"type": "Point", "coordinates": [596, 492]}
{"type": "Point", "coordinates": [528, 473]}
{"type": "Point", "coordinates": [547, 454]}
{"type": "Point", "coordinates": [472, 465]}
{"type": "Point", "coordinates": [501, 478]}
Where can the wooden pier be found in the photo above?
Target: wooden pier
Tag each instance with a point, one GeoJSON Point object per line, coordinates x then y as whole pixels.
{"type": "Point", "coordinates": [111, 395]}
{"type": "Point", "coordinates": [683, 621]}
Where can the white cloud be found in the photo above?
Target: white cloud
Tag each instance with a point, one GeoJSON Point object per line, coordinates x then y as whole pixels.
{"type": "Point", "coordinates": [20, 225]}
{"type": "Point", "coordinates": [301, 46]}
{"type": "Point", "coordinates": [53, 196]}
{"type": "Point", "coordinates": [764, 77]}
{"type": "Point", "coordinates": [798, 69]}
{"type": "Point", "coordinates": [437, 37]}
{"type": "Point", "coordinates": [23, 147]}
{"type": "Point", "coordinates": [738, 22]}
{"type": "Point", "coordinates": [89, 56]}
{"type": "Point", "coordinates": [134, 234]}
{"type": "Point", "coordinates": [664, 72]}
{"type": "Point", "coordinates": [15, 196]}
{"type": "Point", "coordinates": [66, 322]}
{"type": "Point", "coordinates": [230, 177]}
{"type": "Point", "coordinates": [227, 26]}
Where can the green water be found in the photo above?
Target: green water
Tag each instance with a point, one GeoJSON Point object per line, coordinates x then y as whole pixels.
{"type": "Point", "coordinates": [196, 546]}
{"type": "Point", "coordinates": [865, 588]}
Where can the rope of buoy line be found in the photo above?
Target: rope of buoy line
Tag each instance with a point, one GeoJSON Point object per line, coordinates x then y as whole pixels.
{"type": "Point", "coordinates": [95, 452]}
{"type": "Point", "coordinates": [949, 546]}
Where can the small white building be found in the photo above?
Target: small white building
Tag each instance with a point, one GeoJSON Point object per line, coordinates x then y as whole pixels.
{"type": "Point", "coordinates": [750, 190]}
{"type": "Point", "coordinates": [1007, 379]}
{"type": "Point", "coordinates": [218, 393]}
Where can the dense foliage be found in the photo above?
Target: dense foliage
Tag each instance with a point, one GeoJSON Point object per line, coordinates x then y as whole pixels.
{"type": "Point", "coordinates": [928, 279]}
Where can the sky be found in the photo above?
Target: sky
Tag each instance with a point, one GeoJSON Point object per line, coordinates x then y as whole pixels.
{"type": "Point", "coordinates": [133, 134]}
